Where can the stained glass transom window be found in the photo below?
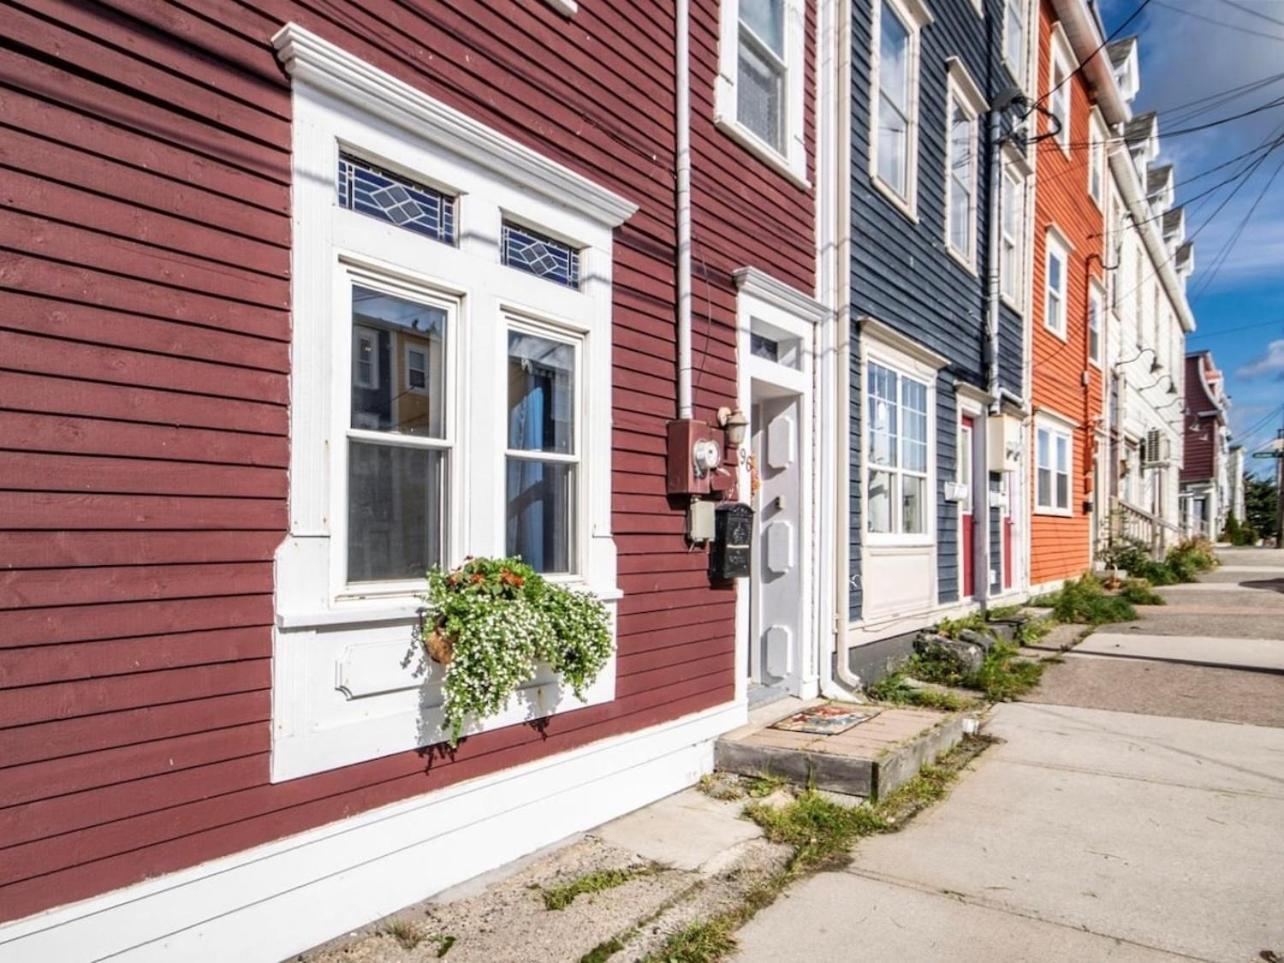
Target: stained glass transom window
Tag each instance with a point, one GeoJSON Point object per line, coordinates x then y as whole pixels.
{"type": "Point", "coordinates": [390, 197]}
{"type": "Point", "coordinates": [542, 256]}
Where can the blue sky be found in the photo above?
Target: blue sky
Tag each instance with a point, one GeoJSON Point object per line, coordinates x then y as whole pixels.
{"type": "Point", "coordinates": [1191, 49]}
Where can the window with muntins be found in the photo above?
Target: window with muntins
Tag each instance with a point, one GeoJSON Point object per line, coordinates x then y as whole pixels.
{"type": "Point", "coordinates": [1054, 318]}
{"type": "Point", "coordinates": [1014, 39]}
{"type": "Point", "coordinates": [1096, 163]}
{"type": "Point", "coordinates": [371, 190]}
{"type": "Point", "coordinates": [1096, 305]}
{"type": "Point", "coordinates": [893, 113]}
{"type": "Point", "coordinates": [897, 497]}
{"type": "Point", "coordinates": [760, 87]}
{"type": "Point", "coordinates": [540, 255]}
{"type": "Point", "coordinates": [961, 187]}
{"type": "Point", "coordinates": [1052, 470]}
{"type": "Point", "coordinates": [1013, 218]}
{"type": "Point", "coordinates": [1059, 101]}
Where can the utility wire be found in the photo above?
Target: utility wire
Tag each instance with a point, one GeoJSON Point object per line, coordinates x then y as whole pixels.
{"type": "Point", "coordinates": [1242, 327]}
{"type": "Point", "coordinates": [1088, 59]}
{"type": "Point", "coordinates": [1218, 23]}
{"type": "Point", "coordinates": [1253, 13]}
{"type": "Point", "coordinates": [1225, 253]}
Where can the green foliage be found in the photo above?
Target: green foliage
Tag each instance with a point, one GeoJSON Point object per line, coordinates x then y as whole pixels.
{"type": "Point", "coordinates": [502, 618]}
{"type": "Point", "coordinates": [1002, 676]}
{"type": "Point", "coordinates": [1085, 602]}
{"type": "Point", "coordinates": [560, 897]}
{"type": "Point", "coordinates": [896, 689]}
{"type": "Point", "coordinates": [1261, 505]}
{"type": "Point", "coordinates": [701, 942]}
{"type": "Point", "coordinates": [820, 831]}
{"type": "Point", "coordinates": [1192, 556]}
{"type": "Point", "coordinates": [954, 628]}
{"type": "Point", "coordinates": [1137, 591]}
{"type": "Point", "coordinates": [1030, 631]}
{"type": "Point", "coordinates": [406, 934]}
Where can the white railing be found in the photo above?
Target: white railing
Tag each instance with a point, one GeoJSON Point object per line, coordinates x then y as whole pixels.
{"type": "Point", "coordinates": [1133, 524]}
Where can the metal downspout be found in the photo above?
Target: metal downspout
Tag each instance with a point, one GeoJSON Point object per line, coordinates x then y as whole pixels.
{"type": "Point", "coordinates": [981, 548]}
{"type": "Point", "coordinates": [683, 172]}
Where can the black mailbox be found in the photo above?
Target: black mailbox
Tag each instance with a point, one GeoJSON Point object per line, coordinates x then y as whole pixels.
{"type": "Point", "coordinates": [729, 556]}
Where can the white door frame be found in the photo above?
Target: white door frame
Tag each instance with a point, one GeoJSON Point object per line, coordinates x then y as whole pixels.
{"type": "Point", "coordinates": [769, 307]}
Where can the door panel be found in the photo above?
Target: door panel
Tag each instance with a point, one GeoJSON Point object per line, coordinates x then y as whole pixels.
{"type": "Point", "coordinates": [966, 518]}
{"type": "Point", "coordinates": [776, 588]}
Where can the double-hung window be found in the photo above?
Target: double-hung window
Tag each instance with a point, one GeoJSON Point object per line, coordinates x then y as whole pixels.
{"type": "Point", "coordinates": [1096, 161]}
{"type": "Point", "coordinates": [452, 319]}
{"type": "Point", "coordinates": [1054, 454]}
{"type": "Point", "coordinates": [760, 84]}
{"type": "Point", "coordinates": [897, 500]}
{"type": "Point", "coordinates": [1014, 15]}
{"type": "Point", "coordinates": [1054, 282]}
{"type": "Point", "coordinates": [963, 105]}
{"type": "Point", "coordinates": [1059, 93]}
{"type": "Point", "coordinates": [894, 100]}
{"type": "Point", "coordinates": [1012, 221]}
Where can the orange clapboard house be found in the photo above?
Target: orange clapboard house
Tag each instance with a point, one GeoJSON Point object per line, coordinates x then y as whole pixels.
{"type": "Point", "coordinates": [1067, 341]}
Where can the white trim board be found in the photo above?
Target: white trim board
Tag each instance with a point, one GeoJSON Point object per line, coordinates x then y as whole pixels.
{"type": "Point", "coordinates": [273, 901]}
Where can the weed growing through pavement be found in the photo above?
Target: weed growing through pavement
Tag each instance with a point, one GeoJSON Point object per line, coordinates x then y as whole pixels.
{"type": "Point", "coordinates": [897, 689]}
{"type": "Point", "coordinates": [1085, 602]}
{"type": "Point", "coordinates": [560, 897]}
{"type": "Point", "coordinates": [1138, 592]}
{"type": "Point", "coordinates": [822, 833]}
{"type": "Point", "coordinates": [407, 935]}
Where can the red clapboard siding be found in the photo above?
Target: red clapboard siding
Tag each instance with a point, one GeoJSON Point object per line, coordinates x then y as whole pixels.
{"type": "Point", "coordinates": [144, 364]}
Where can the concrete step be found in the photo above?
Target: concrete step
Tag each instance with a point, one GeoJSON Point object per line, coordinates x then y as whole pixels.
{"type": "Point", "coordinates": [870, 759]}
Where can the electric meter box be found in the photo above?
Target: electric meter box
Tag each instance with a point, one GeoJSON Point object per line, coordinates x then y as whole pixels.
{"type": "Point", "coordinates": [730, 555]}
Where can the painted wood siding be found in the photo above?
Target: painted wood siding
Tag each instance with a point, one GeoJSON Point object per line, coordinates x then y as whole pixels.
{"type": "Point", "coordinates": [1061, 547]}
{"type": "Point", "coordinates": [902, 273]}
{"type": "Point", "coordinates": [1199, 452]}
{"type": "Point", "coordinates": [144, 361]}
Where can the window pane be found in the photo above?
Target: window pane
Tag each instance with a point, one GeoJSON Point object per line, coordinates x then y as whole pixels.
{"type": "Point", "coordinates": [766, 18]}
{"type": "Point", "coordinates": [914, 421]}
{"type": "Point", "coordinates": [1045, 486]}
{"type": "Point", "coordinates": [541, 517]}
{"type": "Point", "coordinates": [882, 415]}
{"type": "Point", "coordinates": [394, 511]}
{"type": "Point", "coordinates": [1063, 453]}
{"type": "Point", "coordinates": [390, 197]}
{"type": "Point", "coordinates": [541, 394]}
{"type": "Point", "coordinates": [1015, 35]}
{"type": "Point", "coordinates": [1041, 444]}
{"type": "Point", "coordinates": [388, 393]}
{"type": "Point", "coordinates": [759, 95]}
{"type": "Point", "coordinates": [893, 139]}
{"type": "Point", "coordinates": [539, 254]}
{"type": "Point", "coordinates": [960, 235]}
{"type": "Point", "coordinates": [893, 65]}
{"type": "Point", "coordinates": [914, 505]}
{"type": "Point", "coordinates": [1063, 491]}
{"type": "Point", "coordinates": [880, 501]}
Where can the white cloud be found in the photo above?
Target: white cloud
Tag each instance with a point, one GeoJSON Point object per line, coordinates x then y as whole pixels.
{"type": "Point", "coordinates": [1272, 362]}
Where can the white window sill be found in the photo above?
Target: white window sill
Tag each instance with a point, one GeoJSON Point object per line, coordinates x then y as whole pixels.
{"type": "Point", "coordinates": [1059, 335]}
{"type": "Point", "coordinates": [889, 192]}
{"type": "Point", "coordinates": [742, 135]}
{"type": "Point", "coordinates": [1065, 148]}
{"type": "Point", "coordinates": [565, 7]}
{"type": "Point", "coordinates": [1054, 512]}
{"type": "Point", "coordinates": [1011, 303]}
{"type": "Point", "coordinates": [884, 540]}
{"type": "Point", "coordinates": [966, 263]}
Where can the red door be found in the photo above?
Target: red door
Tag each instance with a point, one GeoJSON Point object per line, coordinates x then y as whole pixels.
{"type": "Point", "coordinates": [965, 518]}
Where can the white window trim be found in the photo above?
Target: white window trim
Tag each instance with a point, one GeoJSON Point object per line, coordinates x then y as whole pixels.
{"type": "Point", "coordinates": [961, 89]}
{"type": "Point", "coordinates": [566, 8]}
{"type": "Point", "coordinates": [1097, 155]}
{"type": "Point", "coordinates": [1018, 170]}
{"type": "Point", "coordinates": [1056, 240]}
{"type": "Point", "coordinates": [1061, 59]}
{"type": "Point", "coordinates": [887, 347]}
{"type": "Point", "coordinates": [1055, 427]}
{"type": "Point", "coordinates": [792, 162]}
{"type": "Point", "coordinates": [915, 16]}
{"type": "Point", "coordinates": [1020, 72]}
{"type": "Point", "coordinates": [409, 350]}
{"type": "Point", "coordinates": [1097, 293]}
{"type": "Point", "coordinates": [343, 695]}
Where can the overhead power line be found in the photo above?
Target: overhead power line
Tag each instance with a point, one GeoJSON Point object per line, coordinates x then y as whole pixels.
{"type": "Point", "coordinates": [1241, 327]}
{"type": "Point", "coordinates": [1218, 23]}
{"type": "Point", "coordinates": [1253, 13]}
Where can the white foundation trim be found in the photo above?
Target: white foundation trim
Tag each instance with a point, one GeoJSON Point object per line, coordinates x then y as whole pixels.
{"type": "Point", "coordinates": [273, 901]}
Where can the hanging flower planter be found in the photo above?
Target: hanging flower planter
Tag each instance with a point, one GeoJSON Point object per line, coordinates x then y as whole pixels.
{"type": "Point", "coordinates": [491, 622]}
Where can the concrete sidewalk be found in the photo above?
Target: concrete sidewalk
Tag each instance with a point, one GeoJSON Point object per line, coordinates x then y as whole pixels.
{"type": "Point", "coordinates": [1087, 835]}
{"type": "Point", "coordinates": [1129, 814]}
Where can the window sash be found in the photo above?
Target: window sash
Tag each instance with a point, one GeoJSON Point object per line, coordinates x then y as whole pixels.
{"type": "Point", "coordinates": [1014, 38]}
{"type": "Point", "coordinates": [893, 117]}
{"type": "Point", "coordinates": [908, 441]}
{"type": "Point", "coordinates": [961, 183]}
{"type": "Point", "coordinates": [1053, 461]}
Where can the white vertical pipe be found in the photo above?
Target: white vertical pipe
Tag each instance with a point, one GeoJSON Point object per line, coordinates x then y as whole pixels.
{"type": "Point", "coordinates": [683, 121]}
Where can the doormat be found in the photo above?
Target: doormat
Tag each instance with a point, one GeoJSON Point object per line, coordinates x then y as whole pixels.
{"type": "Point", "coordinates": [826, 720]}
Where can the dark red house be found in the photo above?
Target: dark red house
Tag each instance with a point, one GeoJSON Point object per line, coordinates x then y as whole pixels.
{"type": "Point", "coordinates": [265, 265]}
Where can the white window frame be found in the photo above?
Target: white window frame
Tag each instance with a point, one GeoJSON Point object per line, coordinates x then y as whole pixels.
{"type": "Point", "coordinates": [1016, 176]}
{"type": "Point", "coordinates": [1020, 71]}
{"type": "Point", "coordinates": [1061, 65]}
{"type": "Point", "coordinates": [342, 690]}
{"type": "Point", "coordinates": [792, 161]}
{"type": "Point", "coordinates": [914, 15]}
{"type": "Point", "coordinates": [1056, 429]}
{"type": "Point", "coordinates": [883, 346]}
{"type": "Point", "coordinates": [359, 335]}
{"type": "Point", "coordinates": [962, 91]}
{"type": "Point", "coordinates": [566, 8]}
{"type": "Point", "coordinates": [1056, 242]}
{"type": "Point", "coordinates": [1096, 321]}
{"type": "Point", "coordinates": [1096, 159]}
{"type": "Point", "coordinates": [409, 350]}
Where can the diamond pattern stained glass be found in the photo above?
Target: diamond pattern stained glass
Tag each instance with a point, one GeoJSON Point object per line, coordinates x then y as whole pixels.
{"type": "Point", "coordinates": [371, 190]}
{"type": "Point", "coordinates": [542, 256]}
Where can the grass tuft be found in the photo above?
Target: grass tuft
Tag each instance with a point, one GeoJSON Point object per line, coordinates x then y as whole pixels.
{"type": "Point", "coordinates": [896, 689]}
{"type": "Point", "coordinates": [1085, 602]}
{"type": "Point", "coordinates": [407, 935]}
{"type": "Point", "coordinates": [560, 897]}
{"type": "Point", "coordinates": [1137, 591]}
{"type": "Point", "coordinates": [1003, 674]}
{"type": "Point", "coordinates": [720, 785]}
{"type": "Point", "coordinates": [820, 830]}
